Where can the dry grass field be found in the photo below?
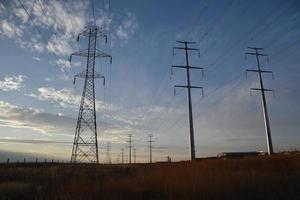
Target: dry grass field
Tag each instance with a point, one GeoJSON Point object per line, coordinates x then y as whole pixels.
{"type": "Point", "coordinates": [261, 177]}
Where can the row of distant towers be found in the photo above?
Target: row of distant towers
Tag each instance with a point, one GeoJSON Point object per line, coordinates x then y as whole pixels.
{"type": "Point", "coordinates": [85, 146]}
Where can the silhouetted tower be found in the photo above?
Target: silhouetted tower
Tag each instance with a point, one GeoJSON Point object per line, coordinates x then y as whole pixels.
{"type": "Point", "coordinates": [187, 67]}
{"type": "Point", "coordinates": [134, 155]}
{"type": "Point", "coordinates": [129, 146]}
{"type": "Point", "coordinates": [108, 160]}
{"type": "Point", "coordinates": [259, 71]}
{"type": "Point", "coordinates": [122, 155]}
{"type": "Point", "coordinates": [85, 147]}
{"type": "Point", "coordinates": [150, 148]}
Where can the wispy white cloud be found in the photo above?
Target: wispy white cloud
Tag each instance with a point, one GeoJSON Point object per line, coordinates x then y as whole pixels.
{"type": "Point", "coordinates": [36, 58]}
{"type": "Point", "coordinates": [22, 117]}
{"type": "Point", "coordinates": [127, 27]}
{"type": "Point", "coordinates": [10, 29]}
{"type": "Point", "coordinates": [63, 20]}
{"type": "Point", "coordinates": [65, 98]}
{"type": "Point", "coordinates": [11, 83]}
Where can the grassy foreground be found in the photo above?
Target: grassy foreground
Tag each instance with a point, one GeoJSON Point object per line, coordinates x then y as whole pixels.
{"type": "Point", "coordinates": [262, 177]}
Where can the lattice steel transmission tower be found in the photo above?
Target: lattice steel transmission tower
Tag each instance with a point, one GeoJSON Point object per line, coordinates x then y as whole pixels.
{"type": "Point", "coordinates": [85, 147]}
{"type": "Point", "coordinates": [262, 89]}
{"type": "Point", "coordinates": [188, 86]}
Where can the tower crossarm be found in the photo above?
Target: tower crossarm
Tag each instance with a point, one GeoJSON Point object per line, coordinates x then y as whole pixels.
{"type": "Point", "coordinates": [88, 76]}
{"type": "Point", "coordinates": [260, 71]}
{"type": "Point", "coordinates": [86, 53]}
{"type": "Point", "coordinates": [264, 89]}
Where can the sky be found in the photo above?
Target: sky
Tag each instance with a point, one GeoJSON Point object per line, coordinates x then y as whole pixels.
{"type": "Point", "coordinates": [39, 103]}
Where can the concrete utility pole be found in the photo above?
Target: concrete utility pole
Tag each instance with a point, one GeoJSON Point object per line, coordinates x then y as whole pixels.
{"type": "Point", "coordinates": [262, 90]}
{"type": "Point", "coordinates": [150, 148]}
{"type": "Point", "coordinates": [129, 146]}
{"type": "Point", "coordinates": [189, 87]}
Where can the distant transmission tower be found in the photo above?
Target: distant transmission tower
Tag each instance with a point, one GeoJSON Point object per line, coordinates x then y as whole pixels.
{"type": "Point", "coordinates": [122, 151]}
{"type": "Point", "coordinates": [85, 147]}
{"type": "Point", "coordinates": [187, 67]}
{"type": "Point", "coordinates": [259, 71]}
{"type": "Point", "coordinates": [129, 146]}
{"type": "Point", "coordinates": [108, 160]}
{"type": "Point", "coordinates": [134, 155]}
{"type": "Point", "coordinates": [150, 148]}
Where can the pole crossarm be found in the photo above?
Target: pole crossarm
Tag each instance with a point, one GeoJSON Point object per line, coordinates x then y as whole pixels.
{"type": "Point", "coordinates": [186, 49]}
{"type": "Point", "coordinates": [185, 42]}
{"type": "Point", "coordinates": [186, 86]}
{"type": "Point", "coordinates": [184, 67]}
{"type": "Point", "coordinates": [260, 71]}
{"type": "Point", "coordinates": [255, 48]}
{"type": "Point", "coordinates": [254, 54]}
{"type": "Point", "coordinates": [265, 90]}
{"type": "Point", "coordinates": [257, 54]}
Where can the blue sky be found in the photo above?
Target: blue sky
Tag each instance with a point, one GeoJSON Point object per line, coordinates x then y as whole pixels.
{"type": "Point", "coordinates": [39, 103]}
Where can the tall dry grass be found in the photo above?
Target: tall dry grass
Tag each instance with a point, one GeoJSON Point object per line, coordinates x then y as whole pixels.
{"type": "Point", "coordinates": [276, 177]}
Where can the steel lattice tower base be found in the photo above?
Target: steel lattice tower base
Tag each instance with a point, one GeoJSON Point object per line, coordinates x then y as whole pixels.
{"type": "Point", "coordinates": [85, 147]}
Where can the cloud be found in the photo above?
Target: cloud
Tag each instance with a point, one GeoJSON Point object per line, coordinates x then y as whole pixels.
{"type": "Point", "coordinates": [36, 58]}
{"type": "Point", "coordinates": [14, 140]}
{"type": "Point", "coordinates": [12, 83]}
{"type": "Point", "coordinates": [14, 116]}
{"type": "Point", "coordinates": [66, 98]}
{"type": "Point", "coordinates": [127, 27]}
{"type": "Point", "coordinates": [48, 124]}
{"type": "Point", "coordinates": [10, 30]}
{"type": "Point", "coordinates": [62, 20]}
{"type": "Point", "coordinates": [59, 45]}
{"type": "Point", "coordinates": [19, 12]}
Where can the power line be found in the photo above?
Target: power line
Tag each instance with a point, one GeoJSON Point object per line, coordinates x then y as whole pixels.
{"type": "Point", "coordinates": [238, 42]}
{"type": "Point", "coordinates": [93, 11]}
{"type": "Point", "coordinates": [213, 24]}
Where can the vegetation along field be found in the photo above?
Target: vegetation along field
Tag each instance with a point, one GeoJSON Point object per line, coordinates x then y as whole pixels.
{"type": "Point", "coordinates": [260, 177]}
